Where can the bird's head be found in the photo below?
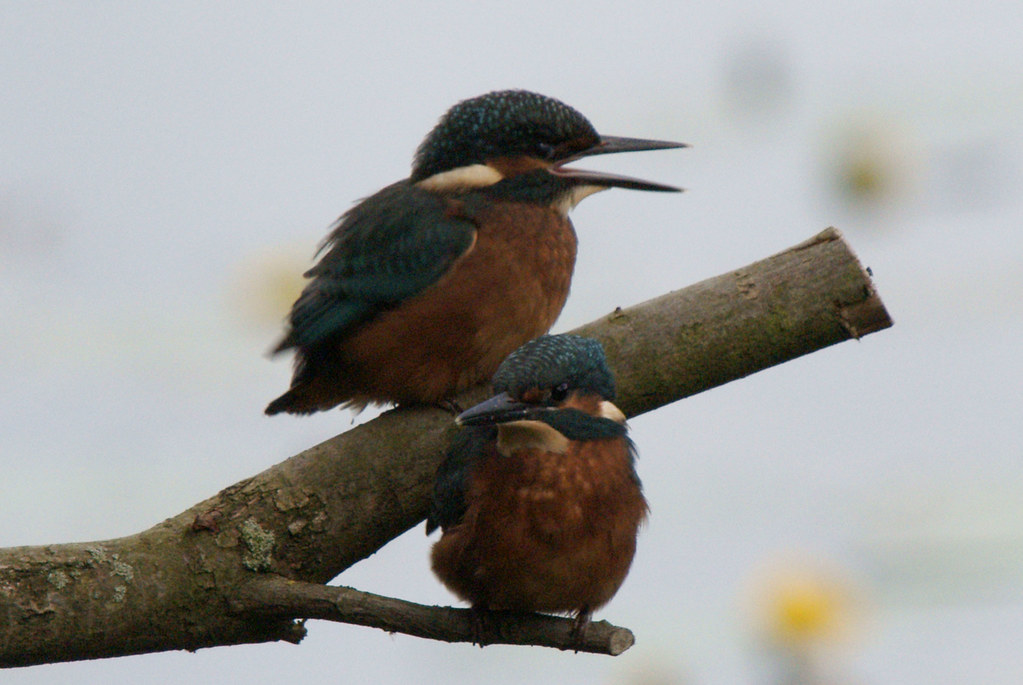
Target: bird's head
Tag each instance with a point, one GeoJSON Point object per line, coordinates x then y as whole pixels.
{"type": "Point", "coordinates": [504, 134]}
{"type": "Point", "coordinates": [555, 381]}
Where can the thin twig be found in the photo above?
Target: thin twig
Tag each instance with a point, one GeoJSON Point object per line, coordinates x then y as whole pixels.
{"type": "Point", "coordinates": [272, 596]}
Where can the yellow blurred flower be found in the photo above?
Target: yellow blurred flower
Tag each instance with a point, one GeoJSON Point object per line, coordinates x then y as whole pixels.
{"type": "Point", "coordinates": [872, 161]}
{"type": "Point", "coordinates": [805, 608]}
{"type": "Point", "coordinates": [798, 603]}
{"type": "Point", "coordinates": [266, 284]}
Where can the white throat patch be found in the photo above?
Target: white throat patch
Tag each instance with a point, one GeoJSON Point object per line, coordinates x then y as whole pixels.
{"type": "Point", "coordinates": [575, 196]}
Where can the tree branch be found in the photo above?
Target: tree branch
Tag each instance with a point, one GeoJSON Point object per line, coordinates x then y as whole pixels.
{"type": "Point", "coordinates": [192, 581]}
{"type": "Point", "coordinates": [276, 597]}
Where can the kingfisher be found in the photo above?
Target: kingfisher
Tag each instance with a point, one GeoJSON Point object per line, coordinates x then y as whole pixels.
{"type": "Point", "coordinates": [538, 497]}
{"type": "Point", "coordinates": [426, 286]}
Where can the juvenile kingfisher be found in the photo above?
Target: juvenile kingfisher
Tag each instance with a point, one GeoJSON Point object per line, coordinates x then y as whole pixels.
{"type": "Point", "coordinates": [538, 497]}
{"type": "Point", "coordinates": [424, 287]}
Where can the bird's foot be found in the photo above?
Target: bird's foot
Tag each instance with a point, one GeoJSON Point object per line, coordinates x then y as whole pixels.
{"type": "Point", "coordinates": [579, 626]}
{"type": "Point", "coordinates": [479, 616]}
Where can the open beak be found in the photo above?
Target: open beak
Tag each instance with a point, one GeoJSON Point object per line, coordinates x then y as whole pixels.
{"type": "Point", "coordinates": [499, 409]}
{"type": "Point", "coordinates": [609, 145]}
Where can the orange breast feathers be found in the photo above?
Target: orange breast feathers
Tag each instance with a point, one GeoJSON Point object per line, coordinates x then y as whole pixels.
{"type": "Point", "coordinates": [507, 289]}
{"type": "Point", "coordinates": [545, 531]}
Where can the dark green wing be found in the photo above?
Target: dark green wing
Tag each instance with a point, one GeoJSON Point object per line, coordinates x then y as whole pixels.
{"type": "Point", "coordinates": [469, 447]}
{"type": "Point", "coordinates": [386, 249]}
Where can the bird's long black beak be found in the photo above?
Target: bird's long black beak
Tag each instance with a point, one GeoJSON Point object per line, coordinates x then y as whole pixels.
{"type": "Point", "coordinates": [609, 145]}
{"type": "Point", "coordinates": [498, 409]}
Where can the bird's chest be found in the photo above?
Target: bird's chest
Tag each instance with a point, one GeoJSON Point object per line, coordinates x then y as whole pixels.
{"type": "Point", "coordinates": [528, 245]}
{"type": "Point", "coordinates": [511, 284]}
{"type": "Point", "coordinates": [558, 497]}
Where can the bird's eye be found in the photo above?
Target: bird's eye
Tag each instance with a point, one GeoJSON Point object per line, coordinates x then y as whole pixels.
{"type": "Point", "coordinates": [545, 151]}
{"type": "Point", "coordinates": [559, 392]}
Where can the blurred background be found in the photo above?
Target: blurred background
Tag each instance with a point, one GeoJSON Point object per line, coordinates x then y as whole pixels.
{"type": "Point", "coordinates": [854, 516]}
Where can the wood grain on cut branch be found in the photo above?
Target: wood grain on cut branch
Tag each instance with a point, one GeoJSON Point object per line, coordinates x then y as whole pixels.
{"type": "Point", "coordinates": [200, 579]}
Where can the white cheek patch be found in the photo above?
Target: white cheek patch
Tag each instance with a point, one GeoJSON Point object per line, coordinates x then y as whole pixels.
{"type": "Point", "coordinates": [610, 411]}
{"type": "Point", "coordinates": [520, 435]}
{"type": "Point", "coordinates": [472, 176]}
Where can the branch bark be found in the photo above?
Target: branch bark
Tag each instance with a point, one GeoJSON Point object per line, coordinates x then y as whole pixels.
{"type": "Point", "coordinates": [242, 566]}
{"type": "Point", "coordinates": [275, 596]}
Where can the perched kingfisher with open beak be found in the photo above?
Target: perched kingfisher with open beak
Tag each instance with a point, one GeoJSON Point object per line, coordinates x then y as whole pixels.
{"type": "Point", "coordinates": [538, 497]}
{"type": "Point", "coordinates": [426, 286]}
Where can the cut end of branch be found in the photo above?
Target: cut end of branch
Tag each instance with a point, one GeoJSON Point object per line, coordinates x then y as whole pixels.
{"type": "Point", "coordinates": [864, 317]}
{"type": "Point", "coordinates": [620, 640]}
{"type": "Point", "coordinates": [828, 235]}
{"type": "Point", "coordinates": [542, 630]}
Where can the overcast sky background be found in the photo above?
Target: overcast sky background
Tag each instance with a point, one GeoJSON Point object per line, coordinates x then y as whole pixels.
{"type": "Point", "coordinates": [166, 171]}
